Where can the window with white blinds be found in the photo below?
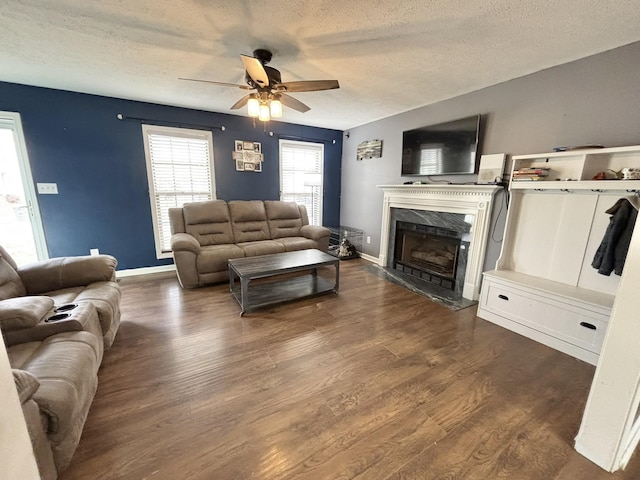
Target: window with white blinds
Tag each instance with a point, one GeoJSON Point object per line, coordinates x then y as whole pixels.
{"type": "Point", "coordinates": [180, 170]}
{"type": "Point", "coordinates": [431, 158]}
{"type": "Point", "coordinates": [301, 176]}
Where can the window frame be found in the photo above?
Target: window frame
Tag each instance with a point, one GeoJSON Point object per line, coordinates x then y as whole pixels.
{"type": "Point", "coordinates": [309, 146]}
{"type": "Point", "coordinates": [147, 130]}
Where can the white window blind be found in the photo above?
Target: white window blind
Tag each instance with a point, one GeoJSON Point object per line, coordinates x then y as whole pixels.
{"type": "Point", "coordinates": [180, 170]}
{"type": "Point", "coordinates": [431, 158]}
{"type": "Point", "coordinates": [301, 176]}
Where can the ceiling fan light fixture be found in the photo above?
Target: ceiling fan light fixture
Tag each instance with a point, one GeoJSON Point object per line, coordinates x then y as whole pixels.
{"type": "Point", "coordinates": [264, 113]}
{"type": "Point", "coordinates": [253, 107]}
{"type": "Point", "coordinates": [275, 106]}
{"type": "Point", "coordinates": [269, 91]}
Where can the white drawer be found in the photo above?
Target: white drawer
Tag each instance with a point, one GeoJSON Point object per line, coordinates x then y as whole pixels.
{"type": "Point", "coordinates": [570, 323]}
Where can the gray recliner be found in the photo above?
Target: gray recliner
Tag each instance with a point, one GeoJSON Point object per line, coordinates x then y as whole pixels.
{"type": "Point", "coordinates": [68, 280]}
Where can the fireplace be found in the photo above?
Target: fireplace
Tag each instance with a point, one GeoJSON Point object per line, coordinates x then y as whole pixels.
{"type": "Point", "coordinates": [463, 209]}
{"type": "Point", "coordinates": [430, 249]}
{"type": "Point", "coordinates": [427, 252]}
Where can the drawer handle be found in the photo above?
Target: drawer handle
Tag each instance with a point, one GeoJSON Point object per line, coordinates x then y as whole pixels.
{"type": "Point", "coordinates": [503, 297]}
{"type": "Point", "coordinates": [590, 326]}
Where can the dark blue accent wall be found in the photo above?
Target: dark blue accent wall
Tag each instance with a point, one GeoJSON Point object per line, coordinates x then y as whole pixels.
{"type": "Point", "coordinates": [98, 162]}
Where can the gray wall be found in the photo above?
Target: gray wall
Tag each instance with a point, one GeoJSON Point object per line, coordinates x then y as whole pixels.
{"type": "Point", "coordinates": [595, 100]}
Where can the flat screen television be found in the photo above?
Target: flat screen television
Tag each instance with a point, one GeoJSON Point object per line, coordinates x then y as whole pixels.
{"type": "Point", "coordinates": [448, 148]}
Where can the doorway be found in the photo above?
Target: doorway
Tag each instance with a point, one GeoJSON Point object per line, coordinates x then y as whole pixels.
{"type": "Point", "coordinates": [21, 232]}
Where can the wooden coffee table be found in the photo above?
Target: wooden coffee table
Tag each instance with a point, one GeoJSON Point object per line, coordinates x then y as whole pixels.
{"type": "Point", "coordinates": [282, 288]}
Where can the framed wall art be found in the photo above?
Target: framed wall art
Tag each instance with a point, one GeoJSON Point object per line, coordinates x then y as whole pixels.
{"type": "Point", "coordinates": [248, 156]}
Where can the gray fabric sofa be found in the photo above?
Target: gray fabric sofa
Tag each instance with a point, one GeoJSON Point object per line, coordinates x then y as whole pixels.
{"type": "Point", "coordinates": [57, 317]}
{"type": "Point", "coordinates": [55, 366]}
{"type": "Point", "coordinates": [205, 235]}
{"type": "Point", "coordinates": [68, 280]}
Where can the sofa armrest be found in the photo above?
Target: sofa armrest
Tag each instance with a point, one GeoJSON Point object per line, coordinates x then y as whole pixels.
{"type": "Point", "coordinates": [66, 272]}
{"type": "Point", "coordinates": [26, 384]}
{"type": "Point", "coordinates": [186, 249]}
{"type": "Point", "coordinates": [23, 312]}
{"type": "Point", "coordinates": [23, 319]}
{"type": "Point", "coordinates": [41, 331]}
{"type": "Point", "coordinates": [183, 242]}
{"type": "Point", "coordinates": [315, 232]}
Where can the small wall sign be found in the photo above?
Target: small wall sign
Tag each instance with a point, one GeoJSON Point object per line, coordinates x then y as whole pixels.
{"type": "Point", "coordinates": [369, 149]}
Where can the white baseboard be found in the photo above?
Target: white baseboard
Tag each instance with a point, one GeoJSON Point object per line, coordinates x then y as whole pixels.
{"type": "Point", "coordinates": [132, 272]}
{"type": "Point", "coordinates": [370, 258]}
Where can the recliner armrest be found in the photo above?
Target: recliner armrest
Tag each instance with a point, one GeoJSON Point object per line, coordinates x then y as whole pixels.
{"type": "Point", "coordinates": [314, 232]}
{"type": "Point", "coordinates": [181, 242]}
{"type": "Point", "coordinates": [66, 272]}
{"type": "Point", "coordinates": [23, 312]}
{"type": "Point", "coordinates": [24, 319]}
{"type": "Point", "coordinates": [39, 332]}
{"type": "Point", "coordinates": [26, 384]}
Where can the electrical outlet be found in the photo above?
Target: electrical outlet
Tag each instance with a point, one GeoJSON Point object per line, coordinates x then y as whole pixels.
{"type": "Point", "coordinates": [47, 188]}
{"type": "Point", "coordinates": [94, 251]}
{"type": "Point", "coordinates": [368, 239]}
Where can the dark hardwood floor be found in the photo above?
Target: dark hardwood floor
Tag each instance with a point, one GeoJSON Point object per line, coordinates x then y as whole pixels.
{"type": "Point", "coordinates": [374, 383]}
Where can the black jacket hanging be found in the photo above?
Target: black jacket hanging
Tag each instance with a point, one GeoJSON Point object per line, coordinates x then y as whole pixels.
{"type": "Point", "coordinates": [612, 252]}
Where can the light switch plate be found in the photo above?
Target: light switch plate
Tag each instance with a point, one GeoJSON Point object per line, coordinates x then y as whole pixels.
{"type": "Point", "coordinates": [47, 188]}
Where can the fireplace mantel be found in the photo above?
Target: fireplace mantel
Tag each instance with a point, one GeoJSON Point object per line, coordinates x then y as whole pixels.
{"type": "Point", "coordinates": [476, 200]}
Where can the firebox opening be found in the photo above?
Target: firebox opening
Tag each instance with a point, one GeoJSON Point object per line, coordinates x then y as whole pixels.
{"type": "Point", "coordinates": [429, 253]}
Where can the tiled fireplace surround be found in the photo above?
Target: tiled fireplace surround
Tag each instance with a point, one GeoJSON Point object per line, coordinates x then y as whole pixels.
{"type": "Point", "coordinates": [465, 209]}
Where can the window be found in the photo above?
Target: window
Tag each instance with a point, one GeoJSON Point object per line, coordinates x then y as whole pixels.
{"type": "Point", "coordinates": [180, 170]}
{"type": "Point", "coordinates": [431, 157]}
{"type": "Point", "coordinates": [301, 176]}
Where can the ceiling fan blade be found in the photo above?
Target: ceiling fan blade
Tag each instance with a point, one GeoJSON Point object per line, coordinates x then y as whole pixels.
{"type": "Point", "coordinates": [223, 84]}
{"type": "Point", "coordinates": [293, 103]}
{"type": "Point", "coordinates": [241, 103]}
{"type": "Point", "coordinates": [308, 85]}
{"type": "Point", "coordinates": [256, 71]}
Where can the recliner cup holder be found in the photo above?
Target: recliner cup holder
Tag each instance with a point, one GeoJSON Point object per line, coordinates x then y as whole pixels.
{"type": "Point", "coordinates": [66, 307]}
{"type": "Point", "coordinates": [57, 317]}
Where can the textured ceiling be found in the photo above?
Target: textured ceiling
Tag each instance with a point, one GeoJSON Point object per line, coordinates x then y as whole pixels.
{"type": "Point", "coordinates": [389, 56]}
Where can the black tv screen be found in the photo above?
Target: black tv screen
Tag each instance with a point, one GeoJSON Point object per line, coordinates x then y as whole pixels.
{"type": "Point", "coordinates": [443, 149]}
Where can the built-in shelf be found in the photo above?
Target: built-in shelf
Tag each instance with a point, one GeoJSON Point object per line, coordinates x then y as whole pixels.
{"type": "Point", "coordinates": [630, 186]}
{"type": "Point", "coordinates": [578, 166]}
{"type": "Point", "coordinates": [544, 285]}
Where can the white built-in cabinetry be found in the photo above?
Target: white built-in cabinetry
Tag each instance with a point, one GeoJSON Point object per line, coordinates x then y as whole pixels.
{"type": "Point", "coordinates": [543, 286]}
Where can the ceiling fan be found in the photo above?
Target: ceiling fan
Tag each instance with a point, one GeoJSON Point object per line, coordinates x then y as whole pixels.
{"type": "Point", "coordinates": [270, 91]}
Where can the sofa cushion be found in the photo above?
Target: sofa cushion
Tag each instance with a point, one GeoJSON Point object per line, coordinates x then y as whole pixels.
{"type": "Point", "coordinates": [297, 243]}
{"type": "Point", "coordinates": [264, 247]}
{"type": "Point", "coordinates": [284, 219]}
{"type": "Point", "coordinates": [65, 295]}
{"type": "Point", "coordinates": [208, 222]}
{"type": "Point", "coordinates": [249, 221]}
{"type": "Point", "coordinates": [66, 366]}
{"type": "Point", "coordinates": [105, 296]}
{"type": "Point", "coordinates": [67, 272]}
{"type": "Point", "coordinates": [23, 312]}
{"type": "Point", "coordinates": [176, 220]}
{"type": "Point", "coordinates": [215, 258]}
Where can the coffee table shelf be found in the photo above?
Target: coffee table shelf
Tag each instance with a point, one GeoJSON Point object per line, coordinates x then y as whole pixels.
{"type": "Point", "coordinates": [280, 287]}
